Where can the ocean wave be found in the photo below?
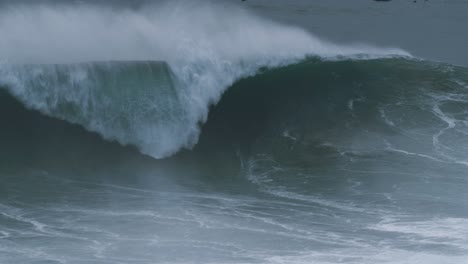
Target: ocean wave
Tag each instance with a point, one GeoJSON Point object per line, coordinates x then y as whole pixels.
{"type": "Point", "coordinates": [203, 48]}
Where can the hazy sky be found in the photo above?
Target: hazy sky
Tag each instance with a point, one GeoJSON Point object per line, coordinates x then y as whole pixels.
{"type": "Point", "coordinates": [433, 29]}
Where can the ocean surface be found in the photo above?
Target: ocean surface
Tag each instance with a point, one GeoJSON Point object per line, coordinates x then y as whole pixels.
{"type": "Point", "coordinates": [233, 132]}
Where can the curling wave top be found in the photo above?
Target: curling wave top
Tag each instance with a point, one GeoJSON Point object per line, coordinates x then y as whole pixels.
{"type": "Point", "coordinates": [146, 77]}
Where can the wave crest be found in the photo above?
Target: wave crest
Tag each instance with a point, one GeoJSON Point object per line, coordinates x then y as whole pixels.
{"type": "Point", "coordinates": [157, 107]}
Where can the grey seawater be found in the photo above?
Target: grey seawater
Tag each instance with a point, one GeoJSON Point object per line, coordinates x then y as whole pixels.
{"type": "Point", "coordinates": [384, 181]}
{"type": "Point", "coordinates": [368, 177]}
{"type": "Point", "coordinates": [429, 29]}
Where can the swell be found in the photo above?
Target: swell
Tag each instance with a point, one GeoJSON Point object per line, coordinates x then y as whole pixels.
{"type": "Point", "coordinates": [315, 101]}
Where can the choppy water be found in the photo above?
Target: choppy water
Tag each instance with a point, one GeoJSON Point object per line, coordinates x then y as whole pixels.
{"type": "Point", "coordinates": [242, 141]}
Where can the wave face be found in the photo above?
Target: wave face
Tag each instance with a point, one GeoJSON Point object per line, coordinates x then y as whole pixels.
{"type": "Point", "coordinates": [162, 67]}
{"type": "Point", "coordinates": [302, 151]}
{"type": "Point", "coordinates": [335, 119]}
{"type": "Point", "coordinates": [131, 102]}
{"type": "Point", "coordinates": [351, 161]}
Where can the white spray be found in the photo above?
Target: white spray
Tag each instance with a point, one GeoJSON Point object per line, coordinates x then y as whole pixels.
{"type": "Point", "coordinates": [206, 46]}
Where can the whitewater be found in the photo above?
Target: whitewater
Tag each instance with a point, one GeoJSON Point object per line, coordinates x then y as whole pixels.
{"type": "Point", "coordinates": [194, 51]}
{"type": "Point", "coordinates": [209, 132]}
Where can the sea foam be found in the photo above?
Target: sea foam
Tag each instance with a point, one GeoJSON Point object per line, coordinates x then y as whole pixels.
{"type": "Point", "coordinates": [204, 47]}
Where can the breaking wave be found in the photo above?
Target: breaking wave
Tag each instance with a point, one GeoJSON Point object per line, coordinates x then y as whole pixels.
{"type": "Point", "coordinates": [147, 77]}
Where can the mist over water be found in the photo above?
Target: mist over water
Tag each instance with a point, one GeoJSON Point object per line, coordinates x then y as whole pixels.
{"type": "Point", "coordinates": [204, 47]}
{"type": "Point", "coordinates": [186, 132]}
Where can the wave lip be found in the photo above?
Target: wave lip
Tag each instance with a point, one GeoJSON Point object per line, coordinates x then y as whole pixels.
{"type": "Point", "coordinates": [158, 107]}
{"type": "Point", "coordinates": [116, 99]}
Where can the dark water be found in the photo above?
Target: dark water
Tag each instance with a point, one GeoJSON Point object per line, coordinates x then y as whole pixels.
{"type": "Point", "coordinates": [220, 145]}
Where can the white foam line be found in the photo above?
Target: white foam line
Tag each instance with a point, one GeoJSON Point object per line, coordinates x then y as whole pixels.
{"type": "Point", "coordinates": [4, 234]}
{"type": "Point", "coordinates": [37, 225]}
{"type": "Point", "coordinates": [378, 172]}
{"type": "Point", "coordinates": [262, 178]}
{"type": "Point", "coordinates": [385, 118]}
{"type": "Point", "coordinates": [439, 231]}
{"type": "Point", "coordinates": [451, 124]}
{"type": "Point", "coordinates": [391, 148]}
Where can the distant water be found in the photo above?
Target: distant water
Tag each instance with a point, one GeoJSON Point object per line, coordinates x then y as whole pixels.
{"type": "Point", "coordinates": [191, 132]}
{"type": "Point", "coordinates": [430, 29]}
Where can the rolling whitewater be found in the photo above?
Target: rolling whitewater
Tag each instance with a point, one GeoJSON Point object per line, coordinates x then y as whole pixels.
{"type": "Point", "coordinates": [204, 133]}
